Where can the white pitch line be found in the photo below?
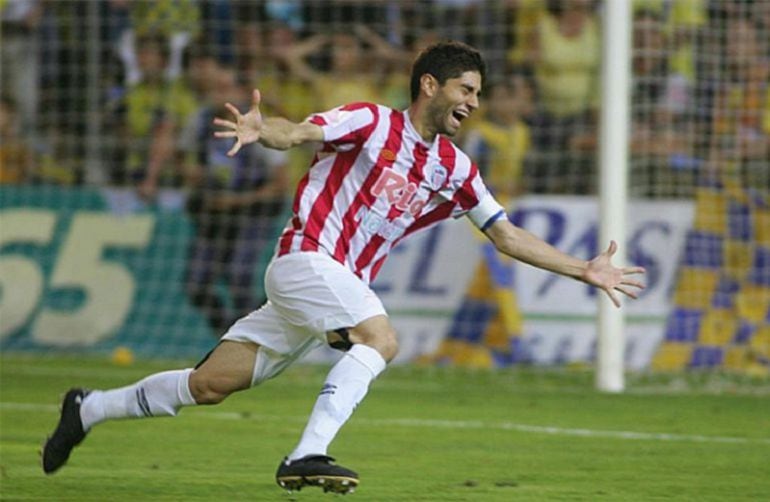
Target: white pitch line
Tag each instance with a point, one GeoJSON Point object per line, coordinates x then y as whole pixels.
{"type": "Point", "coordinates": [454, 424]}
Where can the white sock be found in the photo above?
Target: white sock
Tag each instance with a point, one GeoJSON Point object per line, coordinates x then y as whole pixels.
{"type": "Point", "coordinates": [345, 387]}
{"type": "Point", "coordinates": [161, 394]}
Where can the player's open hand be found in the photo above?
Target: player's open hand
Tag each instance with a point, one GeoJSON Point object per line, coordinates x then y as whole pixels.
{"type": "Point", "coordinates": [603, 274]}
{"type": "Point", "coordinates": [246, 128]}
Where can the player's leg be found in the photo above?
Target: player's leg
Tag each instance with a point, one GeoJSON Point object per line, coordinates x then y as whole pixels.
{"type": "Point", "coordinates": [369, 346]}
{"type": "Point", "coordinates": [228, 368]}
{"type": "Point", "coordinates": [373, 344]}
{"type": "Point", "coordinates": [314, 292]}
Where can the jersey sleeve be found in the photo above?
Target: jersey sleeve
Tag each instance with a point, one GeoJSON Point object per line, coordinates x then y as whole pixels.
{"type": "Point", "coordinates": [472, 198]}
{"type": "Point", "coordinates": [347, 124]}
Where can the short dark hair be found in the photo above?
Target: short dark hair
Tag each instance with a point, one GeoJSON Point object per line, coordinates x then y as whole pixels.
{"type": "Point", "coordinates": [446, 60]}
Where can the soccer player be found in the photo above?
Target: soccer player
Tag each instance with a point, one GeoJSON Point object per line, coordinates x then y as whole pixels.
{"type": "Point", "coordinates": [379, 175]}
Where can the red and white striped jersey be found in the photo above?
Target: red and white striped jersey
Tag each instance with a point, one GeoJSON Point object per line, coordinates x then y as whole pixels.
{"type": "Point", "coordinates": [375, 181]}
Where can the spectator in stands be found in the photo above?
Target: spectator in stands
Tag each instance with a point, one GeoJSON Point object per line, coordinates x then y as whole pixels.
{"type": "Point", "coordinates": [261, 60]}
{"type": "Point", "coordinates": [740, 116]}
{"type": "Point", "coordinates": [22, 161]}
{"type": "Point", "coordinates": [20, 53]}
{"type": "Point", "coordinates": [217, 23]}
{"type": "Point", "coordinates": [565, 52]}
{"type": "Point", "coordinates": [149, 117]}
{"type": "Point", "coordinates": [761, 14]}
{"type": "Point", "coordinates": [488, 320]}
{"type": "Point", "coordinates": [17, 158]}
{"type": "Point", "coordinates": [458, 19]}
{"type": "Point", "coordinates": [391, 62]}
{"type": "Point", "coordinates": [178, 21]}
{"type": "Point", "coordinates": [663, 161]}
{"type": "Point", "coordinates": [526, 18]}
{"type": "Point", "coordinates": [501, 140]}
{"type": "Point", "coordinates": [348, 78]}
{"type": "Point", "coordinates": [683, 23]}
{"type": "Point", "coordinates": [202, 68]}
{"type": "Point", "coordinates": [234, 205]}
{"type": "Point", "coordinates": [262, 51]}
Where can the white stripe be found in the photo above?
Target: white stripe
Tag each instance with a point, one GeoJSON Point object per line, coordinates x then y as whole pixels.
{"type": "Point", "coordinates": [452, 424]}
{"type": "Point", "coordinates": [350, 187]}
{"type": "Point", "coordinates": [361, 238]}
{"type": "Point", "coordinates": [402, 165]}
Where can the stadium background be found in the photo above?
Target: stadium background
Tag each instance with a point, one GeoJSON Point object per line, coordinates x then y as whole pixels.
{"type": "Point", "coordinates": [99, 96]}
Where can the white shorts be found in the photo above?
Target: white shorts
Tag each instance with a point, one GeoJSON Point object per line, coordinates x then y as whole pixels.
{"type": "Point", "coordinates": [309, 294]}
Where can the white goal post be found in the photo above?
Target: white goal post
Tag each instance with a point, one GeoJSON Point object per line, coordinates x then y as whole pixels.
{"type": "Point", "coordinates": [613, 181]}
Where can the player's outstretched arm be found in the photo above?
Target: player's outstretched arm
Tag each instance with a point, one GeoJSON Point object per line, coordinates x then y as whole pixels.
{"type": "Point", "coordinates": [273, 132]}
{"type": "Point", "coordinates": [600, 272]}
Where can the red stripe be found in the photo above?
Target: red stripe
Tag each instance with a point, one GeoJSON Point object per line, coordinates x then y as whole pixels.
{"type": "Point", "coordinates": [368, 253]}
{"type": "Point", "coordinates": [364, 196]}
{"type": "Point", "coordinates": [417, 172]}
{"type": "Point", "coordinates": [351, 107]}
{"type": "Point", "coordinates": [320, 210]}
{"type": "Point", "coordinates": [416, 175]}
{"type": "Point", "coordinates": [466, 196]}
{"type": "Point", "coordinates": [352, 135]}
{"type": "Point", "coordinates": [365, 130]}
{"type": "Point", "coordinates": [376, 268]}
{"type": "Point", "coordinates": [323, 205]}
{"type": "Point", "coordinates": [441, 212]}
{"type": "Point", "coordinates": [448, 155]}
{"type": "Point", "coordinates": [284, 244]}
{"type": "Point", "coordinates": [300, 191]}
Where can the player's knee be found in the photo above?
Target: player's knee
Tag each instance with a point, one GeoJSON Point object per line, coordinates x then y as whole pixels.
{"type": "Point", "coordinates": [377, 333]}
{"type": "Point", "coordinates": [387, 345]}
{"type": "Point", "coordinates": [207, 389]}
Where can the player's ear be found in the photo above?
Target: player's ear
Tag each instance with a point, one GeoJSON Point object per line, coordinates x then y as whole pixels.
{"type": "Point", "coordinates": [429, 85]}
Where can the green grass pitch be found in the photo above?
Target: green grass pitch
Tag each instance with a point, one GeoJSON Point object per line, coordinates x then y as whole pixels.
{"type": "Point", "coordinates": [422, 434]}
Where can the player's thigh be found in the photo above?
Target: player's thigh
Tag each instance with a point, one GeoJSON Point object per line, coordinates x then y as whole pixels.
{"type": "Point", "coordinates": [315, 292]}
{"type": "Point", "coordinates": [376, 332]}
{"type": "Point", "coordinates": [279, 342]}
{"type": "Point", "coordinates": [227, 369]}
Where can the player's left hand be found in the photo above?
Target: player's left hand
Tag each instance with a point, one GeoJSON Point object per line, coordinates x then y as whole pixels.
{"type": "Point", "coordinates": [604, 275]}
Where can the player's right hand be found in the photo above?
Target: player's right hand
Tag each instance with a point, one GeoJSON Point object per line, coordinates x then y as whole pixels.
{"type": "Point", "coordinates": [246, 128]}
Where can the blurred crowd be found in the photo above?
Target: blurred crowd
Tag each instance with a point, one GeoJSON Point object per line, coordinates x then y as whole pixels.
{"type": "Point", "coordinates": [121, 92]}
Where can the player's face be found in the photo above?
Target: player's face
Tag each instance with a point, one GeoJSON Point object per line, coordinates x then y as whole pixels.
{"type": "Point", "coordinates": [455, 101]}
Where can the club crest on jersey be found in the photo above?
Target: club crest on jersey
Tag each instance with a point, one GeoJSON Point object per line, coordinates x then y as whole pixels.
{"type": "Point", "coordinates": [438, 177]}
{"type": "Point", "coordinates": [398, 191]}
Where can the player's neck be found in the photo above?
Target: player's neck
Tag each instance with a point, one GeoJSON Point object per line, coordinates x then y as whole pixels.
{"type": "Point", "coordinates": [418, 117]}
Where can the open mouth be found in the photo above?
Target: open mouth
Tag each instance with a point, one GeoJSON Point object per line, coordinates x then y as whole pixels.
{"type": "Point", "coordinates": [459, 115]}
